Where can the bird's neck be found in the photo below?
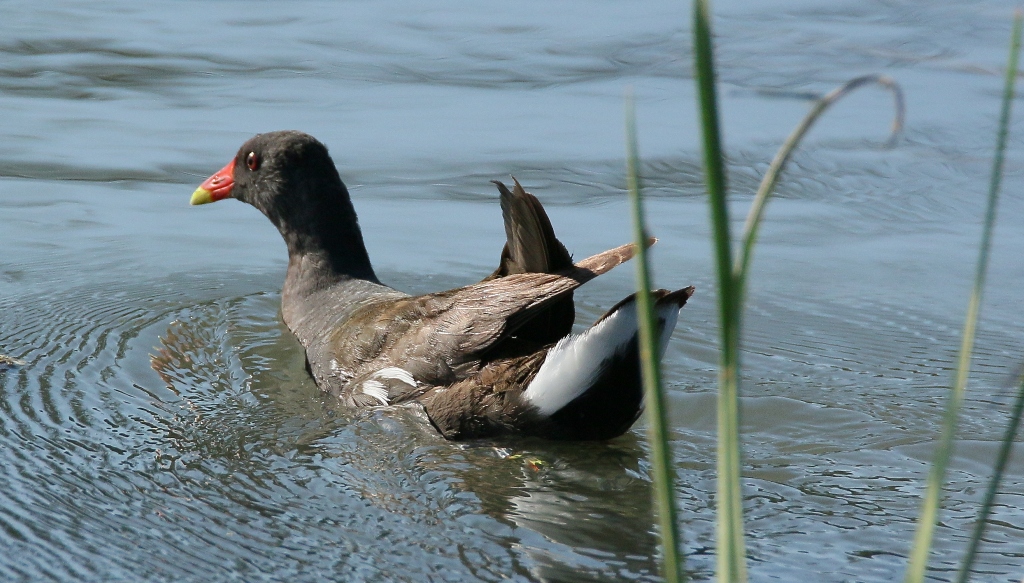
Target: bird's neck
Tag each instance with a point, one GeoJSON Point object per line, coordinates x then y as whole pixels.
{"type": "Point", "coordinates": [325, 247]}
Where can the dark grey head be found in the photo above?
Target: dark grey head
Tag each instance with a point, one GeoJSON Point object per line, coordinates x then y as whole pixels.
{"type": "Point", "coordinates": [290, 178]}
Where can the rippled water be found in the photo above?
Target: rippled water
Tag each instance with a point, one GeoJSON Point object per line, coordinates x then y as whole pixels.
{"type": "Point", "coordinates": [162, 427]}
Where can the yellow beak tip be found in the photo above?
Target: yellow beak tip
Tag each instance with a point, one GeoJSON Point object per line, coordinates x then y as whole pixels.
{"type": "Point", "coordinates": [201, 196]}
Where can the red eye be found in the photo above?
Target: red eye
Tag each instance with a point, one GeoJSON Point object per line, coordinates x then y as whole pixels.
{"type": "Point", "coordinates": [252, 161]}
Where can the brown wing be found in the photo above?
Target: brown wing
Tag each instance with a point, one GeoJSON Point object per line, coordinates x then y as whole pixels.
{"type": "Point", "coordinates": [435, 336]}
{"type": "Point", "coordinates": [473, 318]}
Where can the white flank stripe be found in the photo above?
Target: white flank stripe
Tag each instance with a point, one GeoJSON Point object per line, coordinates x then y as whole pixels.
{"type": "Point", "coordinates": [377, 390]}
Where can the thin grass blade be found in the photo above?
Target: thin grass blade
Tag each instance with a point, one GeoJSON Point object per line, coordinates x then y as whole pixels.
{"type": "Point", "coordinates": [1002, 458]}
{"type": "Point", "coordinates": [661, 454]}
{"type": "Point", "coordinates": [944, 452]}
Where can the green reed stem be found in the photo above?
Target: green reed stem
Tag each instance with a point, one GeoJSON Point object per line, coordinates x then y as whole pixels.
{"type": "Point", "coordinates": [731, 551]}
{"type": "Point", "coordinates": [732, 276]}
{"type": "Point", "coordinates": [933, 494]}
{"type": "Point", "coordinates": [661, 454]}
{"type": "Point", "coordinates": [1005, 448]}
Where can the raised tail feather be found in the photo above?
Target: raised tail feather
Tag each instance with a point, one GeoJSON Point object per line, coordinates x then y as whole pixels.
{"type": "Point", "coordinates": [531, 247]}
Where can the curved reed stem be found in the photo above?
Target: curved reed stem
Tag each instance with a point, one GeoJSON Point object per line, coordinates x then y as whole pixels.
{"type": "Point", "coordinates": [732, 276]}
{"type": "Point", "coordinates": [771, 177]}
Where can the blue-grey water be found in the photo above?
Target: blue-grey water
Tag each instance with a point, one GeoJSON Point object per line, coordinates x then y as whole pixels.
{"type": "Point", "coordinates": [162, 427]}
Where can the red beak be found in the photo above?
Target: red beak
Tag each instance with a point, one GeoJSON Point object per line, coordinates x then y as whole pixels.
{"type": "Point", "coordinates": [216, 187]}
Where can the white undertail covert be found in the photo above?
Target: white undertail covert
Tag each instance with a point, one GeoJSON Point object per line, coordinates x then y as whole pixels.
{"type": "Point", "coordinates": [574, 364]}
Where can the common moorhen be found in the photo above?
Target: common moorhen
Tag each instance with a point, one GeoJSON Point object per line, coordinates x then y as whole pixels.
{"type": "Point", "coordinates": [491, 358]}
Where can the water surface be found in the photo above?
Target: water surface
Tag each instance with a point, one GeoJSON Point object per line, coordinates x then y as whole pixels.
{"type": "Point", "coordinates": [162, 427]}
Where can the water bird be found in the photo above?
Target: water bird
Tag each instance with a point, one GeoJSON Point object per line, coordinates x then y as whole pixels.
{"type": "Point", "coordinates": [493, 358]}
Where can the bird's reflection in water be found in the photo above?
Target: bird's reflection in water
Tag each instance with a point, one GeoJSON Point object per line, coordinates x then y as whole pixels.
{"type": "Point", "coordinates": [589, 500]}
